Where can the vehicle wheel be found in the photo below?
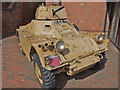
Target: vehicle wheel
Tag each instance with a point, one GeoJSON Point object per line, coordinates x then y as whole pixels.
{"type": "Point", "coordinates": [20, 46]}
{"type": "Point", "coordinates": [101, 64]}
{"type": "Point", "coordinates": [45, 77]}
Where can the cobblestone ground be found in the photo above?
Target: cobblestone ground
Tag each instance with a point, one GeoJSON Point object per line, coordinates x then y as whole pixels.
{"type": "Point", "coordinates": [18, 72]}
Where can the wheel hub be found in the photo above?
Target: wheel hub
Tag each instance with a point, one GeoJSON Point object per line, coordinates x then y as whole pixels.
{"type": "Point", "coordinates": [38, 73]}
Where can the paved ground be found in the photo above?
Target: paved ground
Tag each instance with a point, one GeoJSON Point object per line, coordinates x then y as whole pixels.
{"type": "Point", "coordinates": [17, 71]}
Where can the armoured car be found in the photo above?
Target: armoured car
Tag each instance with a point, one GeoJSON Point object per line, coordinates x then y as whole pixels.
{"type": "Point", "coordinates": [56, 45]}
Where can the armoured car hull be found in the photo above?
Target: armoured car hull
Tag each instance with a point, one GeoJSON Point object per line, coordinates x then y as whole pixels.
{"type": "Point", "coordinates": [55, 45]}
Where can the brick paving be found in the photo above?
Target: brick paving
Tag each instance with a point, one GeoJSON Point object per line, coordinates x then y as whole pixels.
{"type": "Point", "coordinates": [18, 72]}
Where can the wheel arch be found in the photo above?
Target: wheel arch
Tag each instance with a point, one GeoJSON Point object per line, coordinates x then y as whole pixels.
{"type": "Point", "coordinates": [33, 50]}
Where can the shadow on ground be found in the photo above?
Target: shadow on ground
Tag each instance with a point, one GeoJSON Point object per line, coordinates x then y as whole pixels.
{"type": "Point", "coordinates": [63, 78]}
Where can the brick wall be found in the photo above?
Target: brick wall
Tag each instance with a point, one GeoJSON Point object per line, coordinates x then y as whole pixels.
{"type": "Point", "coordinates": [88, 15]}
{"type": "Point", "coordinates": [21, 13]}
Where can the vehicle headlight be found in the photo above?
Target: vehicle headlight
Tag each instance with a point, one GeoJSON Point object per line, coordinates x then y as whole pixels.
{"type": "Point", "coordinates": [100, 38]}
{"type": "Point", "coordinates": [60, 45]}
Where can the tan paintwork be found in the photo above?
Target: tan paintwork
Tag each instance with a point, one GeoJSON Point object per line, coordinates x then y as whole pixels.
{"type": "Point", "coordinates": [43, 12]}
{"type": "Point", "coordinates": [41, 35]}
{"type": "Point", "coordinates": [38, 73]}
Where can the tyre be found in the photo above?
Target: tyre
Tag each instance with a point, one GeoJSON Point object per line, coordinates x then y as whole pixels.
{"type": "Point", "coordinates": [101, 64]}
{"type": "Point", "coordinates": [45, 77]}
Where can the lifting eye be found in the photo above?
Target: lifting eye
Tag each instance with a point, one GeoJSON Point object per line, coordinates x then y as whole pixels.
{"type": "Point", "coordinates": [52, 43]}
{"type": "Point", "coordinates": [39, 46]}
{"type": "Point", "coordinates": [46, 44]}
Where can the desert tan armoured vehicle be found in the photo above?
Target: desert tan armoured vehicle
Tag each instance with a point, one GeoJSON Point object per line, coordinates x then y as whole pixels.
{"type": "Point", "coordinates": [55, 45]}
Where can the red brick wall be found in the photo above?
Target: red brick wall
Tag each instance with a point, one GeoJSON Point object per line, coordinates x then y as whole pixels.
{"type": "Point", "coordinates": [87, 15]}
{"type": "Point", "coordinates": [12, 18]}
{"type": "Point", "coordinates": [21, 13]}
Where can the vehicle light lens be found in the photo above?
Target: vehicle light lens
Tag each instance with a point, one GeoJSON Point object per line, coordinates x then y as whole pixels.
{"type": "Point", "coordinates": [100, 38]}
{"type": "Point", "coordinates": [60, 45]}
{"type": "Point", "coordinates": [54, 60]}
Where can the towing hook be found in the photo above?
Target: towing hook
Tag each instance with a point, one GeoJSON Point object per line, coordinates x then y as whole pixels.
{"type": "Point", "coordinates": [100, 56]}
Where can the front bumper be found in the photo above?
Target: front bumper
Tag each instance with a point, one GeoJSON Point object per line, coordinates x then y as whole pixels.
{"type": "Point", "coordinates": [77, 65]}
{"type": "Point", "coordinates": [82, 64]}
